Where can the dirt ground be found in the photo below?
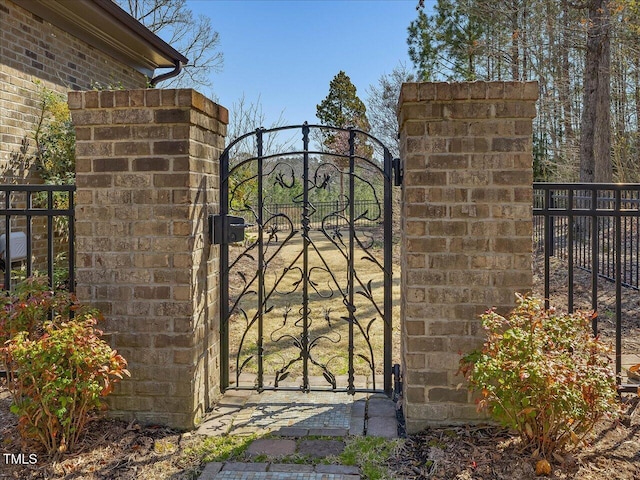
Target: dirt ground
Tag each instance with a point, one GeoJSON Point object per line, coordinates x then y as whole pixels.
{"type": "Point", "coordinates": [117, 450]}
{"type": "Point", "coordinates": [559, 287]}
{"type": "Point", "coordinates": [109, 450]}
{"type": "Point", "coordinates": [491, 453]}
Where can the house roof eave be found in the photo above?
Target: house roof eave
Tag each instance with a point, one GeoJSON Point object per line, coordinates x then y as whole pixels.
{"type": "Point", "coordinates": [105, 26]}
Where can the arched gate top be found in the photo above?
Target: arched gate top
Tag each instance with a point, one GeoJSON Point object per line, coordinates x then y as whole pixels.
{"type": "Point", "coordinates": [389, 166]}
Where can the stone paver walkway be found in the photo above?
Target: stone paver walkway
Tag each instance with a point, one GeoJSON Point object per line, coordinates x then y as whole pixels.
{"type": "Point", "coordinates": [275, 471]}
{"type": "Point", "coordinates": [287, 418]}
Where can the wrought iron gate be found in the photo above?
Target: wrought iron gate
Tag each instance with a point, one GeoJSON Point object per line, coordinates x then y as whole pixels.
{"type": "Point", "coordinates": [306, 292]}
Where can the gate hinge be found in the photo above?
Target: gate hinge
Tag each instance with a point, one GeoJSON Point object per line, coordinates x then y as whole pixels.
{"type": "Point", "coordinates": [397, 380]}
{"type": "Point", "coordinates": [398, 171]}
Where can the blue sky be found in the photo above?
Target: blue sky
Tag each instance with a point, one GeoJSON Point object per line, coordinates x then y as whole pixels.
{"type": "Point", "coordinates": [285, 52]}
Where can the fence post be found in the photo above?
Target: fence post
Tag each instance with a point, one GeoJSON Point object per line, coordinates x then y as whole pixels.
{"type": "Point", "coordinates": [466, 230]}
{"type": "Point", "coordinates": [147, 178]}
{"type": "Point", "coordinates": [552, 226]}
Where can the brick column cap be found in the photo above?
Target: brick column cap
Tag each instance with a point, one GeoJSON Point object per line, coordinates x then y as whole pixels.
{"type": "Point", "coordinates": [149, 97]}
{"type": "Point", "coordinates": [478, 90]}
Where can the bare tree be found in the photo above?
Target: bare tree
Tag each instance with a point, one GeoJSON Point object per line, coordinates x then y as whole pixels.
{"type": "Point", "coordinates": [193, 36]}
{"type": "Point", "coordinates": [382, 108]}
{"type": "Point", "coordinates": [246, 117]}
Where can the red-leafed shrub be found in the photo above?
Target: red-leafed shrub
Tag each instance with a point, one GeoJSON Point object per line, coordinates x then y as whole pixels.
{"type": "Point", "coordinates": [29, 306]}
{"type": "Point", "coordinates": [543, 374]}
{"type": "Point", "coordinates": [59, 369]}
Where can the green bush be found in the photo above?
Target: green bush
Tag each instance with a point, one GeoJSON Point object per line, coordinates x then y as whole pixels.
{"type": "Point", "coordinates": [55, 139]}
{"type": "Point", "coordinates": [60, 274]}
{"type": "Point", "coordinates": [29, 305]}
{"type": "Point", "coordinates": [54, 157]}
{"type": "Point", "coordinates": [543, 374]}
{"type": "Point", "coordinates": [59, 369]}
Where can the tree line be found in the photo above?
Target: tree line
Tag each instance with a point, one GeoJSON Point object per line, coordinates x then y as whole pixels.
{"type": "Point", "coordinates": [584, 54]}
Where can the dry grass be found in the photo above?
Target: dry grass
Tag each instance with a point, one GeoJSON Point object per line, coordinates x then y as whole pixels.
{"type": "Point", "coordinates": [328, 325]}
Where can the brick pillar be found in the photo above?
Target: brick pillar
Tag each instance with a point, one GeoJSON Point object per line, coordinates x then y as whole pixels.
{"type": "Point", "coordinates": [466, 230]}
{"type": "Point", "coordinates": [147, 178]}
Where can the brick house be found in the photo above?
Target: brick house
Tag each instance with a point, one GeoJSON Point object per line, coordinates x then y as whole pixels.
{"type": "Point", "coordinates": [69, 45]}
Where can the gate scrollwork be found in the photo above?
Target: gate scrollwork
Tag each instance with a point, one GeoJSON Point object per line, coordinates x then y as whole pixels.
{"type": "Point", "coordinates": [306, 296]}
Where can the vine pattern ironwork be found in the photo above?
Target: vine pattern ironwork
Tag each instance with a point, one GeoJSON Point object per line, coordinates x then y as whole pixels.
{"type": "Point", "coordinates": [255, 296]}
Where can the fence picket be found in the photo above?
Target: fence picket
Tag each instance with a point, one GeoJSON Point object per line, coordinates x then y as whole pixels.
{"type": "Point", "coordinates": [595, 228]}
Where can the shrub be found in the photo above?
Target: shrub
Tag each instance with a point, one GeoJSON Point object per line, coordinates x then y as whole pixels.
{"type": "Point", "coordinates": [55, 139]}
{"type": "Point", "coordinates": [543, 374]}
{"type": "Point", "coordinates": [29, 306]}
{"type": "Point", "coordinates": [59, 369]}
{"type": "Point", "coordinates": [60, 274]}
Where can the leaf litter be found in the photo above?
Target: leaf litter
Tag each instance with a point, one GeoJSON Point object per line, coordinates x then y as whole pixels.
{"type": "Point", "coordinates": [489, 452]}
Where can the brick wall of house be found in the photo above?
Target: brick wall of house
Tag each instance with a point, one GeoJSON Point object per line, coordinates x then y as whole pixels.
{"type": "Point", "coordinates": [147, 178]}
{"type": "Point", "coordinates": [32, 49]}
{"type": "Point", "coordinates": [466, 230]}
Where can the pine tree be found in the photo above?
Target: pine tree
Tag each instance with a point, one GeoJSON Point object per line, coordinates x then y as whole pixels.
{"type": "Point", "coordinates": [583, 53]}
{"type": "Point", "coordinates": [423, 47]}
{"type": "Point", "coordinates": [447, 44]}
{"type": "Point", "coordinates": [342, 107]}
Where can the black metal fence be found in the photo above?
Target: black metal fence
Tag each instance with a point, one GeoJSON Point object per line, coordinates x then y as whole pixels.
{"type": "Point", "coordinates": [368, 213]}
{"type": "Point", "coordinates": [590, 213]}
{"type": "Point", "coordinates": [37, 233]}
{"type": "Point", "coordinates": [596, 228]}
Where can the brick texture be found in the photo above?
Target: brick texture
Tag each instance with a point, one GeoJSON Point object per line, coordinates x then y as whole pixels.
{"type": "Point", "coordinates": [466, 230]}
{"type": "Point", "coordinates": [149, 182]}
{"type": "Point", "coordinates": [32, 49]}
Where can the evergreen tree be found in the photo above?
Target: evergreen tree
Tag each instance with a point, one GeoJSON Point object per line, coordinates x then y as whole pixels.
{"type": "Point", "coordinates": [449, 43]}
{"type": "Point", "coordinates": [342, 107]}
{"type": "Point", "coordinates": [584, 55]}
{"type": "Point", "coordinates": [423, 47]}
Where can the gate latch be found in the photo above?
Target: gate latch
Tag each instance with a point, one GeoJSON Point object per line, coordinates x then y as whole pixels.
{"type": "Point", "coordinates": [226, 229]}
